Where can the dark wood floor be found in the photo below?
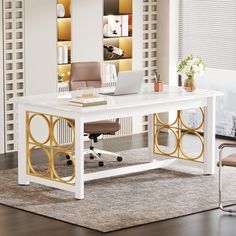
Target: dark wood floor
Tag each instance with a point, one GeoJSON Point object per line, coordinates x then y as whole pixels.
{"type": "Point", "coordinates": [21, 223]}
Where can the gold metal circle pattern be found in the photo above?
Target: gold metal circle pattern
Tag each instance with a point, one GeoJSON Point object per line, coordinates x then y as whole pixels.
{"type": "Point", "coordinates": [167, 125]}
{"type": "Point", "coordinates": [181, 147]}
{"type": "Point", "coordinates": [29, 130]}
{"type": "Point", "coordinates": [158, 147]}
{"type": "Point", "coordinates": [190, 128]}
{"type": "Point", "coordinates": [32, 170]}
{"type": "Point", "coordinates": [54, 171]}
{"type": "Point", "coordinates": [70, 124]}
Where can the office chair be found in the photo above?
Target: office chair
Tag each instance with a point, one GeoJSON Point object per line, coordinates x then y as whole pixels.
{"type": "Point", "coordinates": [88, 74]}
{"type": "Point", "coordinates": [229, 161]}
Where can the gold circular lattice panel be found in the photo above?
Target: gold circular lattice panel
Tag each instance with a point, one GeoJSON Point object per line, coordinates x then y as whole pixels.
{"type": "Point", "coordinates": [69, 124]}
{"type": "Point", "coordinates": [182, 149]}
{"type": "Point", "coordinates": [34, 140]}
{"type": "Point", "coordinates": [164, 124]}
{"type": "Point", "coordinates": [191, 128]}
{"type": "Point", "coordinates": [30, 165]}
{"type": "Point", "coordinates": [163, 152]}
{"type": "Point", "coordinates": [55, 172]}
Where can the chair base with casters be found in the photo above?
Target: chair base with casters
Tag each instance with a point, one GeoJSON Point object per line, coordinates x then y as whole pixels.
{"type": "Point", "coordinates": [229, 161]}
{"type": "Point", "coordinates": [92, 129]}
{"type": "Point", "coordinates": [97, 153]}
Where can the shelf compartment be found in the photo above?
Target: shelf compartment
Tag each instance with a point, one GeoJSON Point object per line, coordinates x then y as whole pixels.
{"type": "Point", "coordinates": [117, 7]}
{"type": "Point", "coordinates": [64, 69]}
{"type": "Point", "coordinates": [125, 6]}
{"type": "Point", "coordinates": [124, 43]}
{"type": "Point", "coordinates": [121, 65]}
{"type": "Point", "coordinates": [64, 29]}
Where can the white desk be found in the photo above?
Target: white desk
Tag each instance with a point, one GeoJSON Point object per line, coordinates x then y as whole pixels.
{"type": "Point", "coordinates": [54, 106]}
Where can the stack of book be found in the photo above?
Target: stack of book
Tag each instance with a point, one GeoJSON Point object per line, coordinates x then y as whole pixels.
{"type": "Point", "coordinates": [87, 102]}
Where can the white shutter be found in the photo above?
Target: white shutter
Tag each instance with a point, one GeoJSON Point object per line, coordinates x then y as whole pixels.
{"type": "Point", "coordinates": [208, 29]}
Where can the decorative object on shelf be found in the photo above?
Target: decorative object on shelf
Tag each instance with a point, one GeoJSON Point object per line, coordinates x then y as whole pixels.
{"type": "Point", "coordinates": [112, 52]}
{"type": "Point", "coordinates": [190, 67]}
{"type": "Point", "coordinates": [110, 73]}
{"type": "Point", "coordinates": [117, 26]}
{"type": "Point", "coordinates": [113, 26]}
{"type": "Point", "coordinates": [108, 31]}
{"type": "Point", "coordinates": [158, 84]}
{"type": "Point", "coordinates": [60, 10]}
{"type": "Point", "coordinates": [60, 77]}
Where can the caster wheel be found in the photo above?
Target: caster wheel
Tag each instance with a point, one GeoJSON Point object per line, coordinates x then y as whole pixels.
{"type": "Point", "coordinates": [99, 154]}
{"type": "Point", "coordinates": [67, 157]}
{"type": "Point", "coordinates": [119, 159]}
{"type": "Point", "coordinates": [91, 157]}
{"type": "Point", "coordinates": [69, 162]}
{"type": "Point", "coordinates": [101, 163]}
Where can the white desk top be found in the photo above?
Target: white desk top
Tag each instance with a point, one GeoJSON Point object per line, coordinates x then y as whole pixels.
{"type": "Point", "coordinates": [60, 101]}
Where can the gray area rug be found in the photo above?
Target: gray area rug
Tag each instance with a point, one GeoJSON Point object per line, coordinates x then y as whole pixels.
{"type": "Point", "coordinates": [122, 202]}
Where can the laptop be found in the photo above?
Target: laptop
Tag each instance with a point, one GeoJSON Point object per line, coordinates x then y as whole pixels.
{"type": "Point", "coordinates": [128, 82]}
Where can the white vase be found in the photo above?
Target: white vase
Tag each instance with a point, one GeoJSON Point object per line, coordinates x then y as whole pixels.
{"type": "Point", "coordinates": [60, 10]}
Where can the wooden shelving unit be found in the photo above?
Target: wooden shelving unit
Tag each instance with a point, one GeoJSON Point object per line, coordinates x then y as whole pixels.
{"type": "Point", "coordinates": [119, 8]}
{"type": "Point", "coordinates": [64, 38]}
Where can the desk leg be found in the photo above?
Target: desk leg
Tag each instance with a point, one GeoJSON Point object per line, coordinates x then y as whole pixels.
{"type": "Point", "coordinates": [79, 158]}
{"type": "Point", "coordinates": [22, 155]}
{"type": "Point", "coordinates": [151, 137]}
{"type": "Point", "coordinates": [209, 137]}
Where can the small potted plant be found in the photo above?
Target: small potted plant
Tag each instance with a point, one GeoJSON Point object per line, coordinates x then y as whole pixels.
{"type": "Point", "coordinates": [190, 67]}
{"type": "Point", "coordinates": [60, 77]}
{"type": "Point", "coordinates": [158, 84]}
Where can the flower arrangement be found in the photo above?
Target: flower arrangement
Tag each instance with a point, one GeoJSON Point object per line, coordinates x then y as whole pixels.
{"type": "Point", "coordinates": [190, 67]}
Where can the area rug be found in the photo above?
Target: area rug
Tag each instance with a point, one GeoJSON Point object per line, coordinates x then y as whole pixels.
{"type": "Point", "coordinates": [121, 202]}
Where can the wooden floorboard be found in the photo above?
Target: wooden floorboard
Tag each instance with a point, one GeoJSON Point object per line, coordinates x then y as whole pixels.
{"type": "Point", "coordinates": [21, 223]}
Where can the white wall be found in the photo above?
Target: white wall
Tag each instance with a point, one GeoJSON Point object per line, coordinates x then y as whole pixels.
{"type": "Point", "coordinates": [87, 24]}
{"type": "Point", "coordinates": [168, 40]}
{"type": "Point", "coordinates": [137, 31]}
{"type": "Point", "coordinates": [2, 133]}
{"type": "Point", "coordinates": [168, 15]}
{"type": "Point", "coordinates": [40, 46]}
{"type": "Point", "coordinates": [137, 43]}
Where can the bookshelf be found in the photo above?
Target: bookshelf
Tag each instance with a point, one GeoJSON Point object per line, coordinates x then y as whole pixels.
{"type": "Point", "coordinates": [114, 11]}
{"type": "Point", "coordinates": [64, 41]}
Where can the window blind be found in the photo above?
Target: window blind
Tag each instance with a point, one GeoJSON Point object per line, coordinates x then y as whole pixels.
{"type": "Point", "coordinates": [207, 28]}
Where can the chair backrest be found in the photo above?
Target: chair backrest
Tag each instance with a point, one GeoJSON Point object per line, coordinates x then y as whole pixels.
{"type": "Point", "coordinates": [85, 74]}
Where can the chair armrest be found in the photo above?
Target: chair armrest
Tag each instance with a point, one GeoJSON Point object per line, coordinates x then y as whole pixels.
{"type": "Point", "coordinates": [227, 145]}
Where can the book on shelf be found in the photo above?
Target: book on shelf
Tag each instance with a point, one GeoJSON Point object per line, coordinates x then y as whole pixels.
{"type": "Point", "coordinates": [110, 73]}
{"type": "Point", "coordinates": [125, 25]}
{"type": "Point", "coordinates": [87, 102]}
{"type": "Point", "coordinates": [117, 26]}
{"type": "Point", "coordinates": [62, 55]}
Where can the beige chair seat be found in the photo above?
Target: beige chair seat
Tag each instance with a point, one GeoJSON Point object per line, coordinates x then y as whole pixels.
{"type": "Point", "coordinates": [229, 160]}
{"type": "Point", "coordinates": [101, 127]}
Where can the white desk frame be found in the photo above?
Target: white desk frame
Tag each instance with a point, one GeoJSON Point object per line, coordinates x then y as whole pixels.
{"type": "Point", "coordinates": [139, 105]}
